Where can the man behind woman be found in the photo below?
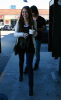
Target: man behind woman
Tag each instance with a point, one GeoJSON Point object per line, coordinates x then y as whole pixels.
{"type": "Point", "coordinates": [41, 26]}
{"type": "Point", "coordinates": [27, 43]}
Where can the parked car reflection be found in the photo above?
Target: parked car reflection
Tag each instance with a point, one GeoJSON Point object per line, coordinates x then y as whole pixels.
{"type": "Point", "coordinates": [6, 27]}
{"type": "Point", "coordinates": [13, 27]}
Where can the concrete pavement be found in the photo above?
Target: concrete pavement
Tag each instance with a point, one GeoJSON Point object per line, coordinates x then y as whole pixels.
{"type": "Point", "coordinates": [45, 88]}
{"type": "Point", "coordinates": [7, 44]}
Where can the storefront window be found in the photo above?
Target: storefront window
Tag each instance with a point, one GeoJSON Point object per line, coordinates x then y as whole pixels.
{"type": "Point", "coordinates": [13, 22]}
{"type": "Point", "coordinates": [1, 22]}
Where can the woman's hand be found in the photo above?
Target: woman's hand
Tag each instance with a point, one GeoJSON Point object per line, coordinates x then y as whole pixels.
{"type": "Point", "coordinates": [34, 32]}
{"type": "Point", "coordinates": [31, 31]}
{"type": "Point", "coordinates": [25, 35]}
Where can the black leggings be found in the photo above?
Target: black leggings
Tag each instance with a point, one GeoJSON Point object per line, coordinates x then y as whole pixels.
{"type": "Point", "coordinates": [29, 59]}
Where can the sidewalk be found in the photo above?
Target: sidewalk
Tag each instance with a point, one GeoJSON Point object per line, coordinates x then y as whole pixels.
{"type": "Point", "coordinates": [7, 43]}
{"type": "Point", "coordinates": [45, 88]}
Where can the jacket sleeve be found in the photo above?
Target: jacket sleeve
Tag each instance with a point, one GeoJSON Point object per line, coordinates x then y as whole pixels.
{"type": "Point", "coordinates": [35, 26]}
{"type": "Point", "coordinates": [16, 33]}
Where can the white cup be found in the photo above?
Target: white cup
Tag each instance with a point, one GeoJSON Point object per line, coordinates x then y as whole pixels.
{"type": "Point", "coordinates": [31, 31]}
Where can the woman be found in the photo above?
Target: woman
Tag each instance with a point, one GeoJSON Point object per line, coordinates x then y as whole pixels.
{"type": "Point", "coordinates": [26, 41]}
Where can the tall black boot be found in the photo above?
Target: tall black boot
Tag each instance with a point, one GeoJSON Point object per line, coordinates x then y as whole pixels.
{"type": "Point", "coordinates": [30, 91]}
{"type": "Point", "coordinates": [35, 67]}
{"type": "Point", "coordinates": [21, 78]}
{"type": "Point", "coordinates": [26, 70]}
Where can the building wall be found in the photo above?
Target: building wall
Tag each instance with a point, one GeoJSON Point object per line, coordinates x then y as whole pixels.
{"type": "Point", "coordinates": [8, 18]}
{"type": "Point", "coordinates": [11, 19]}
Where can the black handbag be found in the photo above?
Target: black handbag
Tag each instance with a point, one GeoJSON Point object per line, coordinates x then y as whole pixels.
{"type": "Point", "coordinates": [16, 48]}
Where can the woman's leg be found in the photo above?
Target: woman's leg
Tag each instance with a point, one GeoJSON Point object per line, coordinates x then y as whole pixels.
{"type": "Point", "coordinates": [21, 62]}
{"type": "Point", "coordinates": [26, 70]}
{"type": "Point", "coordinates": [29, 57]}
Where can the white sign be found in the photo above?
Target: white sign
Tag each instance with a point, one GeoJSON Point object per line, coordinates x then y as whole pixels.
{"type": "Point", "coordinates": [17, 16]}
